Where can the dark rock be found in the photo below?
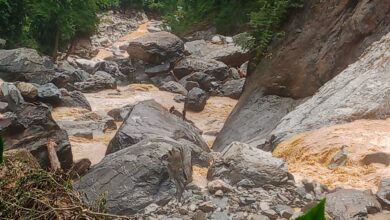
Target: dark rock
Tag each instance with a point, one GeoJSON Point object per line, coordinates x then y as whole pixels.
{"type": "Point", "coordinates": [191, 64]}
{"type": "Point", "coordinates": [188, 85]}
{"type": "Point", "coordinates": [111, 68]}
{"type": "Point", "coordinates": [159, 69]}
{"type": "Point", "coordinates": [11, 95]}
{"type": "Point", "coordinates": [75, 99]}
{"type": "Point", "coordinates": [27, 90]}
{"type": "Point", "coordinates": [196, 99]}
{"type": "Point", "coordinates": [132, 178]}
{"type": "Point", "coordinates": [174, 87]}
{"type": "Point", "coordinates": [31, 127]}
{"type": "Point", "coordinates": [81, 167]}
{"type": "Point", "coordinates": [378, 157]}
{"type": "Point", "coordinates": [215, 185]}
{"type": "Point", "coordinates": [147, 119]}
{"type": "Point", "coordinates": [99, 81]}
{"type": "Point", "coordinates": [24, 64]}
{"type": "Point", "coordinates": [120, 114]}
{"type": "Point", "coordinates": [351, 204]}
{"type": "Point", "coordinates": [199, 215]}
{"type": "Point", "coordinates": [49, 93]}
{"type": "Point", "coordinates": [3, 43]}
{"type": "Point", "coordinates": [160, 80]}
{"type": "Point", "coordinates": [384, 193]}
{"type": "Point", "coordinates": [203, 80]}
{"type": "Point", "coordinates": [233, 88]}
{"type": "Point", "coordinates": [156, 47]}
{"type": "Point", "coordinates": [240, 161]}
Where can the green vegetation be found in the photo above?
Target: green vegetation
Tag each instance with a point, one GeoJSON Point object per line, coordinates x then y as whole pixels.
{"type": "Point", "coordinates": [28, 192]}
{"type": "Point", "coordinates": [315, 213]}
{"type": "Point", "coordinates": [48, 25]}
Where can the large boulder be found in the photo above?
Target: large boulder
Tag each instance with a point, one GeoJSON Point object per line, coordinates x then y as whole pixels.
{"type": "Point", "coordinates": [24, 64]}
{"type": "Point", "coordinates": [233, 88]}
{"type": "Point", "coordinates": [240, 161]}
{"type": "Point", "coordinates": [255, 122]}
{"type": "Point", "coordinates": [111, 68]}
{"type": "Point", "coordinates": [11, 95]}
{"type": "Point", "coordinates": [148, 119]}
{"type": "Point", "coordinates": [87, 65]}
{"type": "Point", "coordinates": [192, 64]}
{"type": "Point", "coordinates": [340, 100]}
{"type": "Point", "coordinates": [156, 47]}
{"type": "Point", "coordinates": [31, 127]}
{"type": "Point", "coordinates": [49, 93]}
{"type": "Point", "coordinates": [229, 53]}
{"type": "Point", "coordinates": [97, 82]}
{"type": "Point", "coordinates": [196, 99]}
{"type": "Point", "coordinates": [351, 204]}
{"type": "Point", "coordinates": [134, 177]}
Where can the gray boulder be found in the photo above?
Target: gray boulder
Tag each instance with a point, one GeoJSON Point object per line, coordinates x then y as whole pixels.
{"type": "Point", "coordinates": [28, 90]}
{"type": "Point", "coordinates": [174, 87]}
{"type": "Point", "coordinates": [203, 80]}
{"type": "Point", "coordinates": [384, 193]}
{"type": "Point", "coordinates": [148, 119]}
{"type": "Point", "coordinates": [31, 127]}
{"type": "Point", "coordinates": [24, 64]}
{"type": "Point", "coordinates": [97, 82]}
{"type": "Point", "coordinates": [192, 64]}
{"type": "Point", "coordinates": [2, 43]}
{"type": "Point", "coordinates": [351, 204]}
{"type": "Point", "coordinates": [240, 161]}
{"type": "Point", "coordinates": [74, 99]}
{"type": "Point", "coordinates": [340, 99]}
{"type": "Point", "coordinates": [3, 107]}
{"type": "Point", "coordinates": [49, 93]}
{"type": "Point", "coordinates": [11, 95]}
{"type": "Point", "coordinates": [233, 88]}
{"type": "Point", "coordinates": [196, 99]}
{"type": "Point", "coordinates": [230, 54]}
{"type": "Point", "coordinates": [156, 47]}
{"type": "Point", "coordinates": [134, 177]}
{"type": "Point", "coordinates": [111, 68]}
{"type": "Point", "coordinates": [254, 122]}
{"type": "Point", "coordinates": [87, 65]}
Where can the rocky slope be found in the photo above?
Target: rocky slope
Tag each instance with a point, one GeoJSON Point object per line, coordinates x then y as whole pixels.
{"type": "Point", "coordinates": [311, 53]}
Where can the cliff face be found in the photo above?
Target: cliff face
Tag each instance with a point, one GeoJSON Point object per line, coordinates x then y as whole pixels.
{"type": "Point", "coordinates": [319, 42]}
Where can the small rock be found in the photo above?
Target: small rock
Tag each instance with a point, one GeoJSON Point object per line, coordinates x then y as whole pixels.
{"type": "Point", "coordinates": [219, 193]}
{"type": "Point", "coordinates": [339, 159]}
{"type": "Point", "coordinates": [179, 98]}
{"type": "Point", "coordinates": [246, 183]}
{"type": "Point", "coordinates": [207, 206]}
{"type": "Point", "coordinates": [270, 214]}
{"type": "Point", "coordinates": [199, 215]}
{"type": "Point", "coordinates": [151, 208]}
{"type": "Point", "coordinates": [3, 107]}
{"type": "Point", "coordinates": [384, 193]}
{"type": "Point", "coordinates": [174, 87]}
{"type": "Point", "coordinates": [264, 206]}
{"type": "Point", "coordinates": [183, 211]}
{"type": "Point", "coordinates": [28, 91]}
{"type": "Point", "coordinates": [219, 185]}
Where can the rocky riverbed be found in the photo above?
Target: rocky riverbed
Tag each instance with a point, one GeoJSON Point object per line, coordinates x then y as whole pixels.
{"type": "Point", "coordinates": [119, 105]}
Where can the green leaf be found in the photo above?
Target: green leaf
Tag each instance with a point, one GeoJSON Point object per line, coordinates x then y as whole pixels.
{"type": "Point", "coordinates": [315, 213]}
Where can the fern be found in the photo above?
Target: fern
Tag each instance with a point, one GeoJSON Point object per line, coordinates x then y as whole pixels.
{"type": "Point", "coordinates": [315, 213]}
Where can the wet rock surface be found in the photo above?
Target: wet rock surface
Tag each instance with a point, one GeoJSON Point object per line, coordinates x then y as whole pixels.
{"type": "Point", "coordinates": [196, 99]}
{"type": "Point", "coordinates": [133, 177]}
{"type": "Point", "coordinates": [147, 119]}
